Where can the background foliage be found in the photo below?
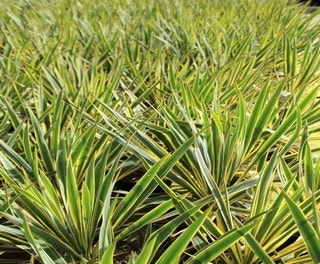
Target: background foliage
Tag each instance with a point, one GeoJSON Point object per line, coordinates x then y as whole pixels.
{"type": "Point", "coordinates": [159, 131]}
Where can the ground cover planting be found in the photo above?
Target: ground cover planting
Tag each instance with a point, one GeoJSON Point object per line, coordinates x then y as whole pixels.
{"type": "Point", "coordinates": [159, 132]}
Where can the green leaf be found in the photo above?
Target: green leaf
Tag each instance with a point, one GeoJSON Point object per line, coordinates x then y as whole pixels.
{"type": "Point", "coordinates": [108, 254]}
{"type": "Point", "coordinates": [175, 250]}
{"type": "Point", "coordinates": [73, 203]}
{"type": "Point", "coordinates": [43, 147]}
{"type": "Point", "coordinates": [274, 138]}
{"type": "Point", "coordinates": [309, 234]}
{"type": "Point", "coordinates": [262, 192]}
{"type": "Point", "coordinates": [309, 176]}
{"type": "Point", "coordinates": [148, 218]}
{"type": "Point", "coordinates": [158, 237]}
{"type": "Point", "coordinates": [47, 255]}
{"type": "Point", "coordinates": [19, 161]}
{"type": "Point", "coordinates": [257, 249]}
{"type": "Point", "coordinates": [146, 185]}
{"type": "Point", "coordinates": [219, 246]}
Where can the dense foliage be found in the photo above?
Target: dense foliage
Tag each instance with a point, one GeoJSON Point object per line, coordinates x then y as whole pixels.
{"type": "Point", "coordinates": [159, 132]}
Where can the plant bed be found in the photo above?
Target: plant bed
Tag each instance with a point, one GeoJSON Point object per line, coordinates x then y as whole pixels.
{"type": "Point", "coordinates": [159, 132]}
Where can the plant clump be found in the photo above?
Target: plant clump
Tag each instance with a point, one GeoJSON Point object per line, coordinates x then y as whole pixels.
{"type": "Point", "coordinates": [159, 132]}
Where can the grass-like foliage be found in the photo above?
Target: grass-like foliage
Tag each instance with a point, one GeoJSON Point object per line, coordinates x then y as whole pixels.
{"type": "Point", "coordinates": [159, 132]}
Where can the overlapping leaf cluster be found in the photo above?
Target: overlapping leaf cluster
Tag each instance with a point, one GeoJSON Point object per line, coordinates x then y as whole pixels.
{"type": "Point", "coordinates": [159, 132]}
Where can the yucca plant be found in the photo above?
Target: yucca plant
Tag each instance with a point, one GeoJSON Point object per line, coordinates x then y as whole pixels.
{"type": "Point", "coordinates": [159, 132]}
{"type": "Point", "coordinates": [249, 182]}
